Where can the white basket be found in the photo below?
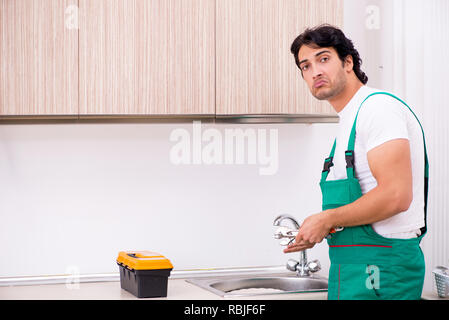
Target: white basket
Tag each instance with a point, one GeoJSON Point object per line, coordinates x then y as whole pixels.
{"type": "Point", "coordinates": [442, 281]}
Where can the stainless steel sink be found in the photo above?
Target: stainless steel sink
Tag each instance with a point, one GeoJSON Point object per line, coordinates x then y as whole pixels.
{"type": "Point", "coordinates": [281, 285]}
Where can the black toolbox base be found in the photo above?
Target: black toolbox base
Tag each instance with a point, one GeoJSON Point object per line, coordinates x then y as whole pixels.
{"type": "Point", "coordinates": [145, 283]}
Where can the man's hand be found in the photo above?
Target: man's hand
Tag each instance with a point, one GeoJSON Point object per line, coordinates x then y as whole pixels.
{"type": "Point", "coordinates": [312, 231]}
{"type": "Point", "coordinates": [298, 246]}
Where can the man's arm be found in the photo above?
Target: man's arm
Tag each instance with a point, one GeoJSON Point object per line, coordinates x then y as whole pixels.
{"type": "Point", "coordinates": [390, 165]}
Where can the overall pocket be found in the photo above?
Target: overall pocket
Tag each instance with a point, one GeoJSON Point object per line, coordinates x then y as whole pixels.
{"type": "Point", "coordinates": [354, 282]}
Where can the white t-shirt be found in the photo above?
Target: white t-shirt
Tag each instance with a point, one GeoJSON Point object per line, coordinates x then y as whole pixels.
{"type": "Point", "coordinates": [382, 118]}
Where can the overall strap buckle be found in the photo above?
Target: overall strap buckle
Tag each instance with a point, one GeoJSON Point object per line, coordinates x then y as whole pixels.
{"type": "Point", "coordinates": [349, 156]}
{"type": "Point", "coordinates": [328, 164]}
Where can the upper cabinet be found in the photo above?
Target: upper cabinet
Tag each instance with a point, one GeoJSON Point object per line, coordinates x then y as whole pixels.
{"type": "Point", "coordinates": [256, 73]}
{"type": "Point", "coordinates": [151, 58]}
{"type": "Point", "coordinates": [38, 59]}
{"type": "Point", "coordinates": [147, 57]}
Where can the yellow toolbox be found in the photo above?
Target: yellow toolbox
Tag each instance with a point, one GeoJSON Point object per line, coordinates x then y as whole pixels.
{"type": "Point", "coordinates": [144, 273]}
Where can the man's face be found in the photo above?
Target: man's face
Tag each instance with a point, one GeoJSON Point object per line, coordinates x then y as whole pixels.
{"type": "Point", "coordinates": [323, 71]}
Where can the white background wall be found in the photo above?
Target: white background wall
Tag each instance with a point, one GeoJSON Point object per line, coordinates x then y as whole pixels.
{"type": "Point", "coordinates": [74, 195]}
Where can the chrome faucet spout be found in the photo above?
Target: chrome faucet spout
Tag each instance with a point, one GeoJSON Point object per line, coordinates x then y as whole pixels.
{"type": "Point", "coordinates": [277, 222]}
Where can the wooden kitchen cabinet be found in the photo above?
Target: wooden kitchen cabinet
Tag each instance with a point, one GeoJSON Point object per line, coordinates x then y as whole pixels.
{"type": "Point", "coordinates": [38, 59]}
{"type": "Point", "coordinates": [256, 73]}
{"type": "Point", "coordinates": [147, 57]}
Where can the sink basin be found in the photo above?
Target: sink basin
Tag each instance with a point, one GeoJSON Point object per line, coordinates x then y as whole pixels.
{"type": "Point", "coordinates": [272, 285]}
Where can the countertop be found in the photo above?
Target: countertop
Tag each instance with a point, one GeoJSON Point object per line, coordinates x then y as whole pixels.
{"type": "Point", "coordinates": [178, 289]}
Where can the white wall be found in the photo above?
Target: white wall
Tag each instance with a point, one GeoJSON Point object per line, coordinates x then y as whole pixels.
{"type": "Point", "coordinates": [369, 24]}
{"type": "Point", "coordinates": [74, 195]}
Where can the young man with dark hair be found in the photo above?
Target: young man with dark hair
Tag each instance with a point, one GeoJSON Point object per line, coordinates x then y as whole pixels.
{"type": "Point", "coordinates": [374, 182]}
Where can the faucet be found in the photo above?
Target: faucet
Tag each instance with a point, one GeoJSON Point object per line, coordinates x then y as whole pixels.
{"type": "Point", "coordinates": [302, 268]}
{"type": "Point", "coordinates": [277, 222]}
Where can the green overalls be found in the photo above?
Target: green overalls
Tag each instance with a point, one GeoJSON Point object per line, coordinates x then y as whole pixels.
{"type": "Point", "coordinates": [365, 265]}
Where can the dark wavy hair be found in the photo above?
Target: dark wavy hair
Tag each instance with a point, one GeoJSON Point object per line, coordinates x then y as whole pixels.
{"type": "Point", "coordinates": [326, 35]}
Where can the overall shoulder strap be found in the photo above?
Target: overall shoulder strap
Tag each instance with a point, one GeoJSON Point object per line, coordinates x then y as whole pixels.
{"type": "Point", "coordinates": [328, 163]}
{"type": "Point", "coordinates": [351, 144]}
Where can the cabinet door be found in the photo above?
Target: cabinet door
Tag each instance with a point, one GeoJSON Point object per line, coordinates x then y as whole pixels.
{"type": "Point", "coordinates": [38, 58]}
{"type": "Point", "coordinates": [147, 57]}
{"type": "Point", "coordinates": [256, 73]}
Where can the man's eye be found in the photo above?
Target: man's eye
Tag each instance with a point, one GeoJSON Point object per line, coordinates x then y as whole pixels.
{"type": "Point", "coordinates": [304, 67]}
{"type": "Point", "coordinates": [324, 59]}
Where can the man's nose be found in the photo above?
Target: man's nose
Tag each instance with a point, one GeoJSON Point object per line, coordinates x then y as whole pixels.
{"type": "Point", "coordinates": [316, 73]}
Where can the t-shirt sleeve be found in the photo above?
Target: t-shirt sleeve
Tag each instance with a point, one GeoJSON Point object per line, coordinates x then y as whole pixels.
{"type": "Point", "coordinates": [381, 118]}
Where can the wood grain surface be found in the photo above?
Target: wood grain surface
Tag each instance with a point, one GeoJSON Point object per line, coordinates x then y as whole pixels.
{"type": "Point", "coordinates": [38, 58]}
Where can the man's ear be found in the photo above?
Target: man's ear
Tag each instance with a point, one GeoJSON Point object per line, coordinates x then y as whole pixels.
{"type": "Point", "coordinates": [348, 64]}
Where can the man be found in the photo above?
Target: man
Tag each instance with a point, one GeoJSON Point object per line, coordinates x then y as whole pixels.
{"type": "Point", "coordinates": [374, 183]}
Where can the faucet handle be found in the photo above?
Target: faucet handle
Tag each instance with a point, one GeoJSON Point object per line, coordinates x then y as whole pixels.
{"type": "Point", "coordinates": [314, 266]}
{"type": "Point", "coordinates": [292, 265]}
